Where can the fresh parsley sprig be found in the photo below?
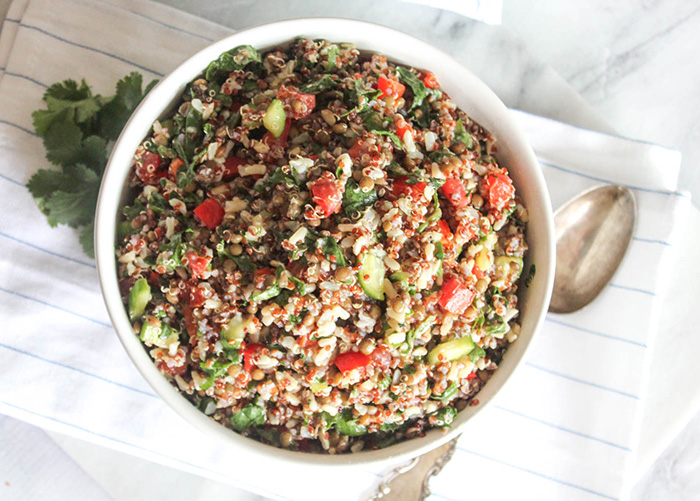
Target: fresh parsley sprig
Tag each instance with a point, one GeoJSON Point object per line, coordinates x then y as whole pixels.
{"type": "Point", "coordinates": [78, 129]}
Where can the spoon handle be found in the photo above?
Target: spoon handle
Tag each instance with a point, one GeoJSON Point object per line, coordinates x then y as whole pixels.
{"type": "Point", "coordinates": [411, 481]}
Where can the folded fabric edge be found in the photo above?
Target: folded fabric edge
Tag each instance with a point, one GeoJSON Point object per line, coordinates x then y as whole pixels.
{"type": "Point", "coordinates": [9, 31]}
{"type": "Point", "coordinates": [633, 470]}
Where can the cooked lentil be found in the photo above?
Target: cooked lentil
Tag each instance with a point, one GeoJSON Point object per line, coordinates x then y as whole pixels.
{"type": "Point", "coordinates": [321, 251]}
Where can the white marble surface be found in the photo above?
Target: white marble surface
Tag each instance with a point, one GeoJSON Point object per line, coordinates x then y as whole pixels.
{"type": "Point", "coordinates": [630, 66]}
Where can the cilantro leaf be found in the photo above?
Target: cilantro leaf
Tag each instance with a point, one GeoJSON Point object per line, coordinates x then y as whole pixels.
{"type": "Point", "coordinates": [250, 415]}
{"type": "Point", "coordinates": [326, 82]}
{"type": "Point", "coordinates": [330, 247]}
{"type": "Point", "coordinates": [462, 136]}
{"type": "Point", "coordinates": [234, 59]}
{"type": "Point", "coordinates": [78, 128]}
{"type": "Point", "coordinates": [86, 237]}
{"type": "Point", "coordinates": [419, 89]}
{"type": "Point", "coordinates": [115, 113]}
{"type": "Point", "coordinates": [355, 200]}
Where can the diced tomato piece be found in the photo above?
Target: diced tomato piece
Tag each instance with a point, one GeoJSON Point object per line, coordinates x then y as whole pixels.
{"type": "Point", "coordinates": [444, 228]}
{"type": "Point", "coordinates": [430, 81]}
{"type": "Point", "coordinates": [325, 193]}
{"type": "Point", "coordinates": [401, 187]}
{"type": "Point", "coordinates": [392, 88]}
{"type": "Point", "coordinates": [455, 297]}
{"type": "Point", "coordinates": [381, 357]}
{"type": "Point", "coordinates": [356, 149]}
{"type": "Point", "coordinates": [476, 271]}
{"type": "Point", "coordinates": [231, 165]}
{"type": "Point", "coordinates": [174, 166]}
{"type": "Point", "coordinates": [210, 213]}
{"type": "Point", "coordinates": [401, 126]}
{"type": "Point", "coordinates": [471, 375]}
{"type": "Point", "coordinates": [454, 191]}
{"type": "Point", "coordinates": [148, 167]}
{"type": "Point", "coordinates": [198, 264]}
{"type": "Point", "coordinates": [249, 351]}
{"type": "Point", "coordinates": [298, 103]}
{"type": "Point", "coordinates": [500, 189]}
{"type": "Point", "coordinates": [351, 360]}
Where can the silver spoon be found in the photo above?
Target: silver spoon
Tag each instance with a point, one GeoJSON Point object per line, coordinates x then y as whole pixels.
{"type": "Point", "coordinates": [593, 232]}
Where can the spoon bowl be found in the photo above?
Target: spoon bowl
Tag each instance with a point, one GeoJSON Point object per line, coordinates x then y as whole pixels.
{"type": "Point", "coordinates": [593, 232]}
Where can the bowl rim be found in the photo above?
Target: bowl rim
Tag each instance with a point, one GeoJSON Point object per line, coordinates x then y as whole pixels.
{"type": "Point", "coordinates": [151, 108]}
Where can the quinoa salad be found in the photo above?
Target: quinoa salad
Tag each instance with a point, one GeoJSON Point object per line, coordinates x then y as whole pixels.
{"type": "Point", "coordinates": [319, 249]}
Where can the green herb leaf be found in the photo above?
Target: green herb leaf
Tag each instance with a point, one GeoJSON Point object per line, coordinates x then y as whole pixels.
{"type": "Point", "coordinates": [449, 392]}
{"type": "Point", "coordinates": [330, 247]}
{"type": "Point", "coordinates": [439, 251]}
{"type": "Point", "coordinates": [333, 52]}
{"type": "Point", "coordinates": [250, 415]}
{"type": "Point", "coordinates": [462, 136]}
{"type": "Point", "coordinates": [477, 353]}
{"type": "Point", "coordinates": [445, 417]}
{"type": "Point", "coordinates": [346, 425]}
{"type": "Point", "coordinates": [244, 263]}
{"type": "Point", "coordinates": [213, 370]}
{"type": "Point", "coordinates": [419, 89]}
{"type": "Point", "coordinates": [77, 128]}
{"type": "Point", "coordinates": [272, 180]}
{"type": "Point", "coordinates": [234, 59]}
{"type": "Point", "coordinates": [324, 83]}
{"type": "Point", "coordinates": [355, 200]}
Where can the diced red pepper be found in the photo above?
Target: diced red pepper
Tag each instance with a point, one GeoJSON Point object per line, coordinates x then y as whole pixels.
{"type": "Point", "coordinates": [455, 297]}
{"type": "Point", "coordinates": [299, 104]}
{"type": "Point", "coordinates": [198, 264]}
{"type": "Point", "coordinates": [174, 166]}
{"type": "Point", "coordinates": [210, 213]}
{"type": "Point", "coordinates": [265, 270]}
{"type": "Point", "coordinates": [325, 193]}
{"type": "Point", "coordinates": [148, 167]}
{"type": "Point", "coordinates": [430, 81]}
{"type": "Point", "coordinates": [401, 187]}
{"type": "Point", "coordinates": [249, 351]}
{"type": "Point", "coordinates": [454, 191]}
{"type": "Point", "coordinates": [231, 165]}
{"type": "Point", "coordinates": [444, 228]}
{"type": "Point", "coordinates": [500, 189]}
{"type": "Point", "coordinates": [351, 360]}
{"type": "Point", "coordinates": [401, 126]}
{"type": "Point", "coordinates": [195, 296]}
{"type": "Point", "coordinates": [471, 375]}
{"type": "Point", "coordinates": [392, 88]}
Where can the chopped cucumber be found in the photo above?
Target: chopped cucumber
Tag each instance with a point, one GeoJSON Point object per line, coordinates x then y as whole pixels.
{"type": "Point", "coordinates": [451, 350]}
{"type": "Point", "coordinates": [399, 276]}
{"type": "Point", "coordinates": [318, 386]}
{"type": "Point", "coordinates": [139, 296]}
{"type": "Point", "coordinates": [274, 118]}
{"type": "Point", "coordinates": [234, 332]}
{"type": "Point", "coordinates": [156, 333]}
{"type": "Point", "coordinates": [504, 272]}
{"type": "Point", "coordinates": [371, 276]}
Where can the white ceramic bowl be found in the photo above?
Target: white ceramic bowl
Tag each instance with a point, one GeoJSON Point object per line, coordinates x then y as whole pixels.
{"type": "Point", "coordinates": [471, 95]}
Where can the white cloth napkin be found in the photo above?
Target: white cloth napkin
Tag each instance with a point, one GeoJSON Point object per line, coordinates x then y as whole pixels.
{"type": "Point", "coordinates": [565, 428]}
